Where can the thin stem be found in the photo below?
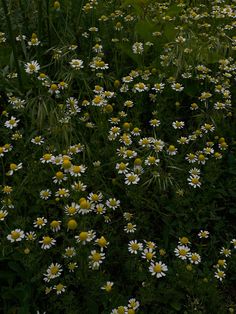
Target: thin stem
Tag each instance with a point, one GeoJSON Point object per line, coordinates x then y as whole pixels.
{"type": "Point", "coordinates": [12, 40]}
{"type": "Point", "coordinates": [48, 24]}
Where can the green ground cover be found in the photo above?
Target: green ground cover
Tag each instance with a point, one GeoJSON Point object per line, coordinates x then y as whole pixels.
{"type": "Point", "coordinates": [117, 156]}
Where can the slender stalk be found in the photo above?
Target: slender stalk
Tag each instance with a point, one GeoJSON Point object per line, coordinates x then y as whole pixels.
{"type": "Point", "coordinates": [48, 24]}
{"type": "Point", "coordinates": [12, 40]}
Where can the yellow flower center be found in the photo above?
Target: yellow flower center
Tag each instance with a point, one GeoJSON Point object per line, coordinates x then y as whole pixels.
{"type": "Point", "coordinates": [76, 169]}
{"type": "Point", "coordinates": [194, 258]}
{"type": "Point", "coordinates": [32, 67]}
{"type": "Point", "coordinates": [47, 240]}
{"type": "Point", "coordinates": [132, 178]}
{"type": "Point", "coordinates": [195, 180]}
{"type": "Point", "coordinates": [84, 204]}
{"type": "Point", "coordinates": [72, 224]}
{"type": "Point", "coordinates": [71, 210]}
{"type": "Point", "coordinates": [149, 256]}
{"type": "Point", "coordinates": [59, 287]}
{"type": "Point", "coordinates": [96, 257]}
{"type": "Point", "coordinates": [135, 246]}
{"type": "Point", "coordinates": [171, 148]}
{"type": "Point", "coordinates": [121, 310]}
{"type": "Point", "coordinates": [47, 156]}
{"type": "Point", "coordinates": [157, 269]}
{"type": "Point", "coordinates": [83, 235]}
{"type": "Point", "coordinates": [13, 166]}
{"type": "Point", "coordinates": [201, 157]}
{"type": "Point", "coordinates": [182, 252]}
{"type": "Point", "coordinates": [59, 175]}
{"type": "Point", "coordinates": [54, 270]}
{"type": "Point", "coordinates": [102, 242]}
{"type": "Point", "coordinates": [53, 87]}
{"type": "Point", "coordinates": [184, 240]}
{"type": "Point", "coordinates": [151, 160]}
{"type": "Point", "coordinates": [66, 164]}
{"type": "Point", "coordinates": [15, 235]}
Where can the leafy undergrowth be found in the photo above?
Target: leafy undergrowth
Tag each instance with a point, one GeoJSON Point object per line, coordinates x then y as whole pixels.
{"type": "Point", "coordinates": [117, 153]}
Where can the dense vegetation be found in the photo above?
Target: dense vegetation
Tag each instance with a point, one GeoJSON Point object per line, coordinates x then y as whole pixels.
{"type": "Point", "coordinates": [118, 167]}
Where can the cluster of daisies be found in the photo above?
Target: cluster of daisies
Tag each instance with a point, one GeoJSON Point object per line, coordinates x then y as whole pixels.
{"type": "Point", "coordinates": [131, 308]}
{"type": "Point", "coordinates": [139, 142]}
{"type": "Point", "coordinates": [147, 250]}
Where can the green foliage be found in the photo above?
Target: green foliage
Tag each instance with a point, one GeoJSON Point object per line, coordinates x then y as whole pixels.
{"type": "Point", "coordinates": [108, 101]}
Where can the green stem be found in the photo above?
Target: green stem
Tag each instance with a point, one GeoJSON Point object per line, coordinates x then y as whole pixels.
{"type": "Point", "coordinates": [48, 24]}
{"type": "Point", "coordinates": [12, 40]}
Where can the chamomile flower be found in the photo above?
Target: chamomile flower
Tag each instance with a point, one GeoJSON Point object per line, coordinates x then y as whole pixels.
{"type": "Point", "coordinates": [95, 259]}
{"type": "Point", "coordinates": [203, 234]}
{"type": "Point", "coordinates": [85, 237]}
{"type": "Point", "coordinates": [133, 304]}
{"type": "Point", "coordinates": [178, 124]}
{"type": "Point", "coordinates": [137, 48]}
{"type": "Point", "coordinates": [148, 254]}
{"type": "Point", "coordinates": [71, 210]}
{"type": "Point", "coordinates": [32, 67]}
{"type": "Point", "coordinates": [3, 214]}
{"type": "Point", "coordinates": [55, 225]}
{"type": "Point", "coordinates": [53, 271]}
{"type": "Point", "coordinates": [76, 64]}
{"type": "Point", "coordinates": [13, 168]}
{"type": "Point", "coordinates": [226, 252]}
{"type": "Point", "coordinates": [183, 140]}
{"type": "Point", "coordinates": [182, 252]}
{"type": "Point", "coordinates": [172, 150]}
{"type": "Point", "coordinates": [131, 178]}
{"type": "Point", "coordinates": [113, 203]}
{"type": "Point", "coordinates": [158, 87]}
{"type": "Point", "coordinates": [221, 263]}
{"type": "Point", "coordinates": [140, 87]}
{"type": "Point", "coordinates": [102, 243]}
{"type": "Point", "coordinates": [158, 269]}
{"type": "Point", "coordinates": [220, 274]}
{"type": "Point", "coordinates": [100, 209]}
{"type": "Point", "coordinates": [12, 123]}
{"type": "Point", "coordinates": [79, 186]}
{"type": "Point", "coordinates": [37, 140]}
{"type": "Point", "coordinates": [30, 236]}
{"type": "Point", "coordinates": [151, 161]}
{"type": "Point", "coordinates": [62, 192]}
{"type": "Point", "coordinates": [47, 158]}
{"type": "Point", "coordinates": [194, 181]}
{"type": "Point", "coordinates": [47, 242]}
{"type": "Point", "coordinates": [154, 123]}
{"type": "Point", "coordinates": [194, 172]}
{"type": "Point", "coordinates": [16, 235]}
{"type": "Point", "coordinates": [130, 228]}
{"type": "Point", "coordinates": [72, 266]}
{"type": "Point", "coordinates": [60, 288]}
{"type": "Point", "coordinates": [134, 247]}
{"type": "Point", "coordinates": [234, 243]}
{"type": "Point", "coordinates": [191, 158]}
{"type": "Point", "coordinates": [40, 222]}
{"type": "Point", "coordinates": [184, 241]}
{"type": "Point", "coordinates": [69, 252]}
{"type": "Point", "coordinates": [45, 194]}
{"type": "Point", "coordinates": [108, 286]}
{"type": "Point", "coordinates": [128, 216]}
{"type": "Point", "coordinates": [177, 87]}
{"type": "Point", "coordinates": [77, 170]}
{"type": "Point", "coordinates": [85, 207]}
{"type": "Point", "coordinates": [59, 177]}
{"type": "Point", "coordinates": [194, 258]}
